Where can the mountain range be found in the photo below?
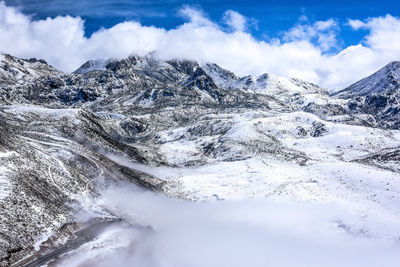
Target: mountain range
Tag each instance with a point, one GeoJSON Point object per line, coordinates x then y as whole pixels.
{"type": "Point", "coordinates": [188, 130]}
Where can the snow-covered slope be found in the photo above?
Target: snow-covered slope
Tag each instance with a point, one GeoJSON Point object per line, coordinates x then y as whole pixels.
{"type": "Point", "coordinates": [188, 131]}
{"type": "Point", "coordinates": [378, 95]}
{"type": "Point", "coordinates": [19, 71]}
{"type": "Point", "coordinates": [385, 80]}
{"type": "Point", "coordinates": [92, 65]}
{"type": "Point", "coordinates": [266, 84]}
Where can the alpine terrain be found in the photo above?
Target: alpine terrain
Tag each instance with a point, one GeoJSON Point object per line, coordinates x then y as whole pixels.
{"type": "Point", "coordinates": [190, 131]}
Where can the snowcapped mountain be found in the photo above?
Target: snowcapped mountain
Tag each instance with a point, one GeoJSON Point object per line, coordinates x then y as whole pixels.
{"type": "Point", "coordinates": [385, 80]}
{"type": "Point", "coordinates": [14, 71]}
{"type": "Point", "coordinates": [378, 95]}
{"type": "Point", "coordinates": [192, 131]}
{"type": "Point", "coordinates": [92, 65]}
{"type": "Point", "coordinates": [267, 83]}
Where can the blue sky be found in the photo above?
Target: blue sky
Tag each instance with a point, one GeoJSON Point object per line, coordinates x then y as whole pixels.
{"type": "Point", "coordinates": [270, 17]}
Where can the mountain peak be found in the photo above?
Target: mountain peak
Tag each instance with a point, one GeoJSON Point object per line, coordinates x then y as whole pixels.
{"type": "Point", "coordinates": [13, 69]}
{"type": "Point", "coordinates": [92, 65]}
{"type": "Point", "coordinates": [385, 80]}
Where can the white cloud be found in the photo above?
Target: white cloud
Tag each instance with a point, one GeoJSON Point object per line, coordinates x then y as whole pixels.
{"type": "Point", "coordinates": [196, 17]}
{"type": "Point", "coordinates": [356, 24]}
{"type": "Point", "coordinates": [235, 20]}
{"type": "Point", "coordinates": [301, 53]}
{"type": "Point", "coordinates": [324, 32]}
{"type": "Point", "coordinates": [384, 34]}
{"type": "Point", "coordinates": [233, 233]}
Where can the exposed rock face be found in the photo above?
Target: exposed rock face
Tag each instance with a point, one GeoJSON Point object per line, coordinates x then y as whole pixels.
{"type": "Point", "coordinates": [62, 135]}
{"type": "Point", "coordinates": [378, 95]}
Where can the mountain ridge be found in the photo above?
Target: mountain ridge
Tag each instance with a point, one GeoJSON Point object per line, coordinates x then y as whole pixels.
{"type": "Point", "coordinates": [386, 79]}
{"type": "Point", "coordinates": [193, 131]}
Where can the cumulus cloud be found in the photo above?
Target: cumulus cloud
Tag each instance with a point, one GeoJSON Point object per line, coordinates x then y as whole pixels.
{"type": "Point", "coordinates": [235, 20]}
{"type": "Point", "coordinates": [356, 24]}
{"type": "Point", "coordinates": [303, 52]}
{"type": "Point", "coordinates": [196, 17]}
{"type": "Point", "coordinates": [324, 32]}
{"type": "Point", "coordinates": [384, 34]}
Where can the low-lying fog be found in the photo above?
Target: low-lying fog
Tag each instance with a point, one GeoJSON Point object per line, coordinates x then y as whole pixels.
{"type": "Point", "coordinates": [177, 233]}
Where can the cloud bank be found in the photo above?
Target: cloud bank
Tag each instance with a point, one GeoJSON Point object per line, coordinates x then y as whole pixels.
{"type": "Point", "coordinates": [254, 233]}
{"type": "Point", "coordinates": [303, 51]}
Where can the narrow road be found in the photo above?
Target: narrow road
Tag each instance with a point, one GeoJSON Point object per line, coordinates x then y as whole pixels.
{"type": "Point", "coordinates": [82, 236]}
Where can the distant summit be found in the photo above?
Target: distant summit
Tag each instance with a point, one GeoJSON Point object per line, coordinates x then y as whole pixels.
{"type": "Point", "coordinates": [385, 80]}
